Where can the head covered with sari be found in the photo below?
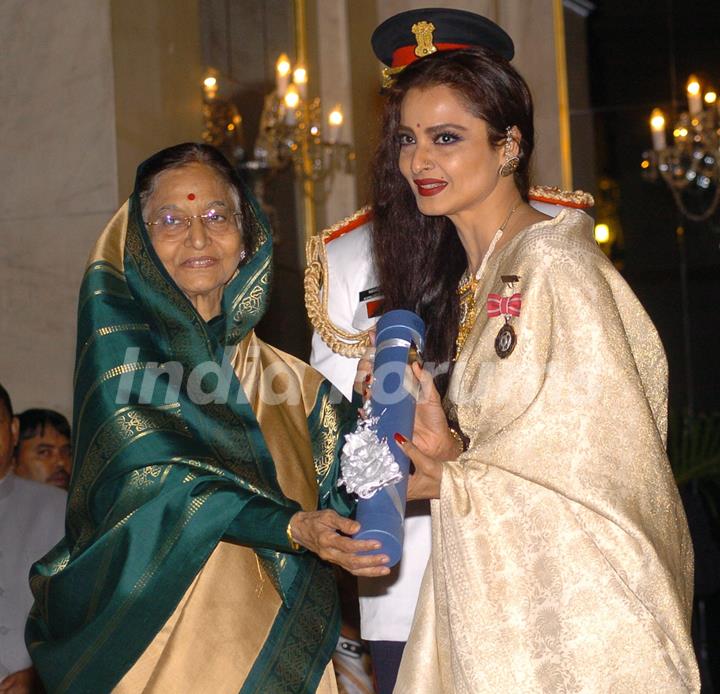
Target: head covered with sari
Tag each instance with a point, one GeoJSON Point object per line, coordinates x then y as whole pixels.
{"type": "Point", "coordinates": [169, 460]}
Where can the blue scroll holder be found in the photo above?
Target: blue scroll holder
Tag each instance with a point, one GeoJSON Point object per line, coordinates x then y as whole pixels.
{"type": "Point", "coordinates": [393, 400]}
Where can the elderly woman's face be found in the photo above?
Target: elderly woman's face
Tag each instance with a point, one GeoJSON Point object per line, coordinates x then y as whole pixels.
{"type": "Point", "coordinates": [200, 258]}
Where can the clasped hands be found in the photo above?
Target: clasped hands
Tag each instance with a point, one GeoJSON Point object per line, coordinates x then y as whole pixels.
{"type": "Point", "coordinates": [432, 443]}
{"type": "Point", "coordinates": [326, 533]}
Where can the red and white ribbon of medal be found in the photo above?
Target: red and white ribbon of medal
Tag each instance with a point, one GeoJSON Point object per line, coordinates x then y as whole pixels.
{"type": "Point", "coordinates": [504, 305]}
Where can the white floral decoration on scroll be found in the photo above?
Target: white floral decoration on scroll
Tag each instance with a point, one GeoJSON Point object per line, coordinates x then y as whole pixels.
{"type": "Point", "coordinates": [366, 463]}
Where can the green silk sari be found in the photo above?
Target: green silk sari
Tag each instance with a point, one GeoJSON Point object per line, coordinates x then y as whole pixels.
{"type": "Point", "coordinates": [159, 481]}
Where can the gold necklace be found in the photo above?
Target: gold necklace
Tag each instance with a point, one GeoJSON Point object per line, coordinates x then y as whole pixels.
{"type": "Point", "coordinates": [467, 288]}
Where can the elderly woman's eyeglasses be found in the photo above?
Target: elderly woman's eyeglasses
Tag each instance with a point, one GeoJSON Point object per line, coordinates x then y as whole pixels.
{"type": "Point", "coordinates": [215, 222]}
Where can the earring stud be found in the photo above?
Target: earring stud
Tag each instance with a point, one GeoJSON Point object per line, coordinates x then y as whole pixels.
{"type": "Point", "coordinates": [510, 167]}
{"type": "Point", "coordinates": [512, 162]}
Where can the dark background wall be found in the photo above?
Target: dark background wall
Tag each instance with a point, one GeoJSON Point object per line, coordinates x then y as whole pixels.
{"type": "Point", "coordinates": [641, 54]}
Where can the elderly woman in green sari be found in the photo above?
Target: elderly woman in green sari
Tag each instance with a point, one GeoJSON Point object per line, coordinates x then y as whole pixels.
{"type": "Point", "coordinates": [204, 498]}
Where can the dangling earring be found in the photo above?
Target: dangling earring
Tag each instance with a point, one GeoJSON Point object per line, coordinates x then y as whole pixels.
{"type": "Point", "coordinates": [511, 161]}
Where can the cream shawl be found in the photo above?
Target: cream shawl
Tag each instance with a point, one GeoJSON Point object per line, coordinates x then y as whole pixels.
{"type": "Point", "coordinates": [561, 559]}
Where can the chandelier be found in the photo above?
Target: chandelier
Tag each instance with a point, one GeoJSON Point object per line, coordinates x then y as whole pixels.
{"type": "Point", "coordinates": [689, 165]}
{"type": "Point", "coordinates": [222, 121]}
{"type": "Point", "coordinates": [294, 134]}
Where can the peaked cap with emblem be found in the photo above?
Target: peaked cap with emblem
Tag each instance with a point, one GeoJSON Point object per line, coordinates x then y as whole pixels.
{"type": "Point", "coordinates": [404, 38]}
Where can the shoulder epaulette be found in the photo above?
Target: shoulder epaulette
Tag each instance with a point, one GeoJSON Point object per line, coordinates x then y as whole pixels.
{"type": "Point", "coordinates": [557, 196]}
{"type": "Point", "coordinates": [316, 287]}
{"type": "Point", "coordinates": [347, 344]}
{"type": "Point", "coordinates": [355, 220]}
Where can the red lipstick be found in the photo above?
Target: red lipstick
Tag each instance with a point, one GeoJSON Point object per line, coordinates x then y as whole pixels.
{"type": "Point", "coordinates": [429, 186]}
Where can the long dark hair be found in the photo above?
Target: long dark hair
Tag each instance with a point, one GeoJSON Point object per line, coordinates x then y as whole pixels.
{"type": "Point", "coordinates": [198, 153]}
{"type": "Point", "coordinates": [419, 259]}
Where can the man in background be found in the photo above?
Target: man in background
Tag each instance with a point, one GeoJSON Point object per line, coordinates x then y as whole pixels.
{"type": "Point", "coordinates": [31, 522]}
{"type": "Point", "coordinates": [43, 451]}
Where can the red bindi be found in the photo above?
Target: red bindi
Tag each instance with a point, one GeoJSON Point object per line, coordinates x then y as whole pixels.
{"type": "Point", "coordinates": [191, 196]}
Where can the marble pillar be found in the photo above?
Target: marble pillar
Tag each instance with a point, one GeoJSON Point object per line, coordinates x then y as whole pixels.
{"type": "Point", "coordinates": [158, 74]}
{"type": "Point", "coordinates": [89, 87]}
{"type": "Point", "coordinates": [532, 25]}
{"type": "Point", "coordinates": [487, 8]}
{"type": "Point", "coordinates": [335, 87]}
{"type": "Point", "coordinates": [58, 184]}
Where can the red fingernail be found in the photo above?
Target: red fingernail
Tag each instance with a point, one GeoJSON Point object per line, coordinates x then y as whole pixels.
{"type": "Point", "coordinates": [399, 438]}
{"type": "Point", "coordinates": [367, 378]}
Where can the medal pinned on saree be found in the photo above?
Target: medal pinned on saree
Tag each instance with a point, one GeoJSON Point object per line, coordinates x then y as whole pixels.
{"type": "Point", "coordinates": [507, 307]}
{"type": "Point", "coordinates": [373, 465]}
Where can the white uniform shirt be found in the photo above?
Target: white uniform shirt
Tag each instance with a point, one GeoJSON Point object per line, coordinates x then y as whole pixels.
{"type": "Point", "coordinates": [387, 604]}
{"type": "Point", "coordinates": [32, 521]}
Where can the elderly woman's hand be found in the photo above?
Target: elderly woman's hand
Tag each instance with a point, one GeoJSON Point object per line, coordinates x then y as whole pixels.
{"type": "Point", "coordinates": [324, 533]}
{"type": "Point", "coordinates": [363, 376]}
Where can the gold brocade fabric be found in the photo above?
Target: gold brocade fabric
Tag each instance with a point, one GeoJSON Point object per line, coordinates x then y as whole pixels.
{"type": "Point", "coordinates": [468, 309]}
{"type": "Point", "coordinates": [217, 630]}
{"type": "Point", "coordinates": [561, 559]}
